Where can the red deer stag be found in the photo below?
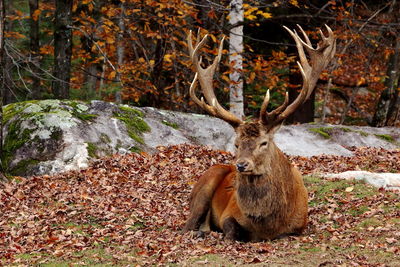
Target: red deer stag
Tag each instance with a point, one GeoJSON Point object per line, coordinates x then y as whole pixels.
{"type": "Point", "coordinates": [262, 196]}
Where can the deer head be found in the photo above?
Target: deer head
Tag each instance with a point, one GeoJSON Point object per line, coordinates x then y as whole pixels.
{"type": "Point", "coordinates": [254, 140]}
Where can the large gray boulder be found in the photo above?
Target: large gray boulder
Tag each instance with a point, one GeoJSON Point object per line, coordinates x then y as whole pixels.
{"type": "Point", "coordinates": [50, 136]}
{"type": "Point", "coordinates": [171, 128]}
{"type": "Point", "coordinates": [317, 139]}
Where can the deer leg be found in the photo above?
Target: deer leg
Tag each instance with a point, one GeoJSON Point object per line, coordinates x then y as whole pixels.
{"type": "Point", "coordinates": [197, 216]}
{"type": "Point", "coordinates": [232, 229]}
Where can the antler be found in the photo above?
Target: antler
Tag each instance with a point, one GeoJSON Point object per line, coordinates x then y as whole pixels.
{"type": "Point", "coordinates": [310, 70]}
{"type": "Point", "coordinates": [205, 77]}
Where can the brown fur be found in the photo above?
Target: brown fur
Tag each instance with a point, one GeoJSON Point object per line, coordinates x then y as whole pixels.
{"type": "Point", "coordinates": [264, 202]}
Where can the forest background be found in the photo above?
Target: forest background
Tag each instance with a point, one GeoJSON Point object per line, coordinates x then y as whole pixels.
{"type": "Point", "coordinates": [135, 52]}
{"type": "Point", "coordinates": [131, 208]}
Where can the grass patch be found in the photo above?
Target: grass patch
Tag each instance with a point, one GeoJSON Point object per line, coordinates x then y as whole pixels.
{"type": "Point", "coordinates": [369, 222]}
{"type": "Point", "coordinates": [214, 259]}
{"type": "Point", "coordinates": [323, 189]}
{"type": "Point", "coordinates": [357, 211]}
{"type": "Point", "coordinates": [98, 256]}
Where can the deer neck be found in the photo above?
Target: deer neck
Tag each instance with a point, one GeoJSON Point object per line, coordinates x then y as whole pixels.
{"type": "Point", "coordinates": [265, 190]}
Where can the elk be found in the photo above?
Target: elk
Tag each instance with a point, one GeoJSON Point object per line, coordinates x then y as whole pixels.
{"type": "Point", "coordinates": [262, 195]}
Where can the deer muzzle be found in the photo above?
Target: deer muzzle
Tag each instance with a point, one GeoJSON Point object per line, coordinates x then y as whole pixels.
{"type": "Point", "coordinates": [243, 165]}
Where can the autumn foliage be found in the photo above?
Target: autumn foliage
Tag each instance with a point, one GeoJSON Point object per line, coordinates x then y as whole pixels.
{"type": "Point", "coordinates": [135, 50]}
{"type": "Point", "coordinates": [131, 209]}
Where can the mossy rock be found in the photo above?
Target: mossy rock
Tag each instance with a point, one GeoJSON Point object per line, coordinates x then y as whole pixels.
{"type": "Point", "coordinates": [52, 135]}
{"type": "Point", "coordinates": [133, 120]}
{"type": "Point", "coordinates": [325, 132]}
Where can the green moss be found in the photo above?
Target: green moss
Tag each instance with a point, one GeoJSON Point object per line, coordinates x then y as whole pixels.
{"type": "Point", "coordinates": [131, 110]}
{"type": "Point", "coordinates": [56, 135]}
{"type": "Point", "coordinates": [170, 124]}
{"type": "Point", "coordinates": [327, 131]}
{"type": "Point", "coordinates": [133, 120]}
{"type": "Point", "coordinates": [135, 149]}
{"type": "Point", "coordinates": [323, 131]}
{"type": "Point", "coordinates": [92, 149]}
{"type": "Point", "coordinates": [345, 129]}
{"type": "Point", "coordinates": [23, 165]}
{"type": "Point", "coordinates": [105, 138]}
{"type": "Point", "coordinates": [386, 137]}
{"type": "Point", "coordinates": [78, 111]}
{"type": "Point", "coordinates": [85, 116]}
{"type": "Point", "coordinates": [10, 111]}
{"type": "Point", "coordinates": [13, 141]}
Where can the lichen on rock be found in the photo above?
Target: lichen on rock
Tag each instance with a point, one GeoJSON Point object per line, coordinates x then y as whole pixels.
{"type": "Point", "coordinates": [49, 136]}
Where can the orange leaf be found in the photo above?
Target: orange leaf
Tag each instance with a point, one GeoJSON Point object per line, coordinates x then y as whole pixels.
{"type": "Point", "coordinates": [36, 14]}
{"type": "Point", "coordinates": [112, 75]}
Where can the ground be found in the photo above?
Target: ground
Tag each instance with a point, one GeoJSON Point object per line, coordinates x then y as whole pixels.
{"type": "Point", "coordinates": [129, 210]}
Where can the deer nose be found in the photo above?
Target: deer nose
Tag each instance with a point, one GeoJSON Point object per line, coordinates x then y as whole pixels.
{"type": "Point", "coordinates": [242, 166]}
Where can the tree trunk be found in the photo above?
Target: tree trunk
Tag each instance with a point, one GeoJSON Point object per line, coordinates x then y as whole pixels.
{"type": "Point", "coordinates": [9, 93]}
{"type": "Point", "coordinates": [34, 47]}
{"type": "Point", "coordinates": [91, 70]}
{"type": "Point", "coordinates": [120, 48]}
{"type": "Point", "coordinates": [62, 48]}
{"type": "Point", "coordinates": [388, 105]}
{"type": "Point", "coordinates": [2, 84]}
{"type": "Point", "coordinates": [235, 59]}
{"type": "Point", "coordinates": [156, 98]}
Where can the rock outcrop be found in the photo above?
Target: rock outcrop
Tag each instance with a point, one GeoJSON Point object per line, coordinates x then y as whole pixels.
{"type": "Point", "coordinates": [50, 136]}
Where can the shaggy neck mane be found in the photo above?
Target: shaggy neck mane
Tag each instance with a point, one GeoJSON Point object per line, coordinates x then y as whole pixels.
{"type": "Point", "coordinates": [262, 195]}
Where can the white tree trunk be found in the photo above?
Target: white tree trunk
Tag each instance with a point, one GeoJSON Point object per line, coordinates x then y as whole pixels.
{"type": "Point", "coordinates": [120, 49]}
{"type": "Point", "coordinates": [235, 59]}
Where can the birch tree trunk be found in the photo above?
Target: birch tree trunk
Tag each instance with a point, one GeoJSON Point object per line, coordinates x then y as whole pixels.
{"type": "Point", "coordinates": [120, 49]}
{"type": "Point", "coordinates": [235, 58]}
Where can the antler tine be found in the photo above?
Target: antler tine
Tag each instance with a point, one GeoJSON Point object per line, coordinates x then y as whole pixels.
{"type": "Point", "coordinates": [265, 116]}
{"type": "Point", "coordinates": [299, 45]}
{"type": "Point", "coordinates": [310, 70]}
{"type": "Point", "coordinates": [201, 103]}
{"type": "Point", "coordinates": [264, 105]}
{"type": "Point", "coordinates": [305, 36]}
{"type": "Point", "coordinates": [205, 77]}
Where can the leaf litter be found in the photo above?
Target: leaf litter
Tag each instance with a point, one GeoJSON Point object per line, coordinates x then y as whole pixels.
{"type": "Point", "coordinates": [130, 209]}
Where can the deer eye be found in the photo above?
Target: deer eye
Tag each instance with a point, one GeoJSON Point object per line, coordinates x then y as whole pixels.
{"type": "Point", "coordinates": [263, 144]}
